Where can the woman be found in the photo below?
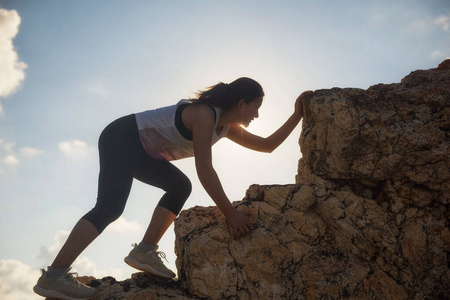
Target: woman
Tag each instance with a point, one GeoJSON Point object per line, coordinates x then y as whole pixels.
{"type": "Point", "coordinates": [140, 146]}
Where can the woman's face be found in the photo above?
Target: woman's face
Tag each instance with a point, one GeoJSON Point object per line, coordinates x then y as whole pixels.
{"type": "Point", "coordinates": [249, 111]}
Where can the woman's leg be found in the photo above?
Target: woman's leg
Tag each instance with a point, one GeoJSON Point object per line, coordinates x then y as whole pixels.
{"type": "Point", "coordinates": [81, 236]}
{"type": "Point", "coordinates": [161, 220]}
{"type": "Point", "coordinates": [161, 173]}
{"type": "Point", "coordinates": [114, 185]}
{"type": "Point", "coordinates": [90, 226]}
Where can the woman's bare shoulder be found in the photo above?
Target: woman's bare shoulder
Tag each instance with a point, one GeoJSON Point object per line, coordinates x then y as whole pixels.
{"type": "Point", "coordinates": [198, 113]}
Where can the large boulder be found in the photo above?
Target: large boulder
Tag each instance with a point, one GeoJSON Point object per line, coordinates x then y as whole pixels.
{"type": "Point", "coordinates": [368, 216]}
{"type": "Point", "coordinates": [396, 134]}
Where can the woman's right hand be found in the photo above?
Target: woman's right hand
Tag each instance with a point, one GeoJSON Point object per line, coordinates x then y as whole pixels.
{"type": "Point", "coordinates": [299, 103]}
{"type": "Point", "coordinates": [239, 222]}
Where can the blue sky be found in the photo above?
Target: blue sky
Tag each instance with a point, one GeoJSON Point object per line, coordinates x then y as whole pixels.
{"type": "Point", "coordinates": [68, 68]}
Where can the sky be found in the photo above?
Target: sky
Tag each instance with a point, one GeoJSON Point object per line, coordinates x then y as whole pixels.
{"type": "Point", "coordinates": [69, 68]}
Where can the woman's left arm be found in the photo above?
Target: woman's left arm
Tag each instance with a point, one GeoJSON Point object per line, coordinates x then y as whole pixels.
{"type": "Point", "coordinates": [244, 138]}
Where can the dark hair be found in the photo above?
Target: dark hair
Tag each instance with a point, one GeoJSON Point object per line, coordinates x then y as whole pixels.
{"type": "Point", "coordinates": [225, 95]}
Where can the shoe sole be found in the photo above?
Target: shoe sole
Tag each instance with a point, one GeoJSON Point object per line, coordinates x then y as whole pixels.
{"type": "Point", "coordinates": [55, 294]}
{"type": "Point", "coordinates": [145, 268]}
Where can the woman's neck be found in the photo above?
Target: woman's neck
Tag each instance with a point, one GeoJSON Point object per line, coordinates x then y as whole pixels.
{"type": "Point", "coordinates": [228, 116]}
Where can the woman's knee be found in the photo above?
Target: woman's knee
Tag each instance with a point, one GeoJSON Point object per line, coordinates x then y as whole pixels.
{"type": "Point", "coordinates": [185, 187]}
{"type": "Point", "coordinates": [178, 185]}
{"type": "Point", "coordinates": [176, 196]}
{"type": "Point", "coordinates": [101, 217]}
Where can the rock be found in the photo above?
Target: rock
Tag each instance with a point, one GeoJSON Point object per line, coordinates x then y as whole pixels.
{"type": "Point", "coordinates": [368, 216]}
{"type": "Point", "coordinates": [141, 286]}
{"type": "Point", "coordinates": [343, 247]}
{"type": "Point", "coordinates": [397, 132]}
{"type": "Point", "coordinates": [366, 219]}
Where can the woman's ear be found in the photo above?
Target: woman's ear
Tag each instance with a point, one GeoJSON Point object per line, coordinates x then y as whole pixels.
{"type": "Point", "coordinates": [241, 102]}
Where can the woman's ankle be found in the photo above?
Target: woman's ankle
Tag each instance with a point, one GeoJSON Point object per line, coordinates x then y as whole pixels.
{"type": "Point", "coordinates": [146, 247]}
{"type": "Point", "coordinates": [55, 272]}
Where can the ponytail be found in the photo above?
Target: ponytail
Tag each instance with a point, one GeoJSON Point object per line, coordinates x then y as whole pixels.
{"type": "Point", "coordinates": [225, 95]}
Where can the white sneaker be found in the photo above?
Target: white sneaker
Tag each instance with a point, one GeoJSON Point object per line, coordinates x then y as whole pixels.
{"type": "Point", "coordinates": [64, 286]}
{"type": "Point", "coordinates": [149, 261]}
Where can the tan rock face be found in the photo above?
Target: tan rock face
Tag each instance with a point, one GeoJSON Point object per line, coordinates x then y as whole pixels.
{"type": "Point", "coordinates": [343, 247]}
{"type": "Point", "coordinates": [397, 132]}
{"type": "Point", "coordinates": [141, 286]}
{"type": "Point", "coordinates": [368, 216]}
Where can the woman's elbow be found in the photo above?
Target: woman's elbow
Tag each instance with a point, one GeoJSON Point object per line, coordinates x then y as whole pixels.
{"type": "Point", "coordinates": [204, 170]}
{"type": "Point", "coordinates": [270, 150]}
{"type": "Point", "coordinates": [269, 147]}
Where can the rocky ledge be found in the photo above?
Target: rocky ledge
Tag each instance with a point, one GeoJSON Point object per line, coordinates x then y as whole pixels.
{"type": "Point", "coordinates": [368, 216]}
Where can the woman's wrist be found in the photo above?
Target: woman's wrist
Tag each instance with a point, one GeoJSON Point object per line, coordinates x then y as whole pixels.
{"type": "Point", "coordinates": [297, 116]}
{"type": "Point", "coordinates": [228, 211]}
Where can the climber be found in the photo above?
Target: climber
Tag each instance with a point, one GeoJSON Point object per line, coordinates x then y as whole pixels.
{"type": "Point", "coordinates": [140, 146]}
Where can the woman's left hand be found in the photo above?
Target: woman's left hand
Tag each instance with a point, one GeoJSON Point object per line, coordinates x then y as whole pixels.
{"type": "Point", "coordinates": [239, 222]}
{"type": "Point", "coordinates": [299, 104]}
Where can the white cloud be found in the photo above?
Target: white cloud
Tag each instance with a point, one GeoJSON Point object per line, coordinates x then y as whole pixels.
{"type": "Point", "coordinates": [443, 22]}
{"type": "Point", "coordinates": [8, 147]}
{"type": "Point", "coordinates": [30, 153]}
{"type": "Point", "coordinates": [82, 265]}
{"type": "Point", "coordinates": [98, 90]}
{"type": "Point", "coordinates": [86, 267]}
{"type": "Point", "coordinates": [59, 238]}
{"type": "Point", "coordinates": [10, 158]}
{"type": "Point", "coordinates": [122, 225]}
{"type": "Point", "coordinates": [12, 70]}
{"type": "Point", "coordinates": [48, 253]}
{"type": "Point", "coordinates": [420, 26]}
{"type": "Point", "coordinates": [76, 149]}
{"type": "Point", "coordinates": [17, 280]}
{"type": "Point", "coordinates": [423, 25]}
{"type": "Point", "coordinates": [439, 55]}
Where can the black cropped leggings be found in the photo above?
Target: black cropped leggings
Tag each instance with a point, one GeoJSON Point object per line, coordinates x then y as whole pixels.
{"type": "Point", "coordinates": [123, 158]}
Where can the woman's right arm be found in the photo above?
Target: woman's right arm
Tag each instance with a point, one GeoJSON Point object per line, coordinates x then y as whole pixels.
{"type": "Point", "coordinates": [244, 138]}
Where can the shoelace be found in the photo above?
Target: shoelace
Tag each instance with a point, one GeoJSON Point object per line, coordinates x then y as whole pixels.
{"type": "Point", "coordinates": [161, 254]}
{"type": "Point", "coordinates": [70, 278]}
{"type": "Point", "coordinates": [153, 252]}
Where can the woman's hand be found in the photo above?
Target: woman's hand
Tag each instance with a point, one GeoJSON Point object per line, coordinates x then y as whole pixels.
{"type": "Point", "coordinates": [299, 103]}
{"type": "Point", "coordinates": [239, 222]}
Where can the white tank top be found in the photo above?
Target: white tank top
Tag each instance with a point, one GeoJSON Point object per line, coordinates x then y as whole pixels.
{"type": "Point", "coordinates": [161, 138]}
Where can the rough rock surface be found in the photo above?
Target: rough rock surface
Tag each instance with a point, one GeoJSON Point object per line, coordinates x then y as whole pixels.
{"type": "Point", "coordinates": [367, 219]}
{"type": "Point", "coordinates": [141, 286]}
{"type": "Point", "coordinates": [368, 216]}
{"type": "Point", "coordinates": [395, 134]}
